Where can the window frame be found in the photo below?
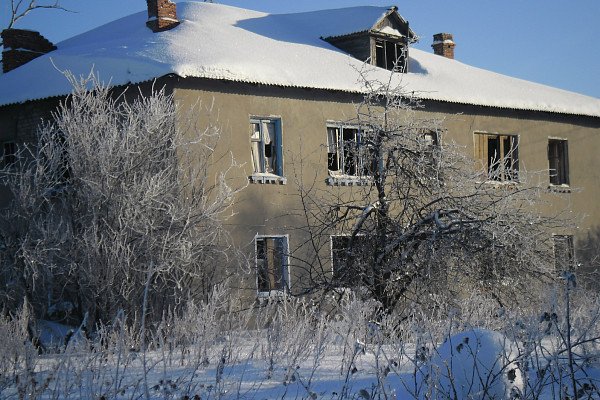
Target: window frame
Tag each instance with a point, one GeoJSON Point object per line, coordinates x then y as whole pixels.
{"type": "Point", "coordinates": [333, 251]}
{"type": "Point", "coordinates": [569, 250]}
{"type": "Point", "coordinates": [381, 48]}
{"type": "Point", "coordinates": [285, 273]}
{"type": "Point", "coordinates": [482, 154]}
{"type": "Point", "coordinates": [10, 164]}
{"type": "Point", "coordinates": [341, 150]}
{"type": "Point", "coordinates": [562, 162]}
{"type": "Point", "coordinates": [258, 149]}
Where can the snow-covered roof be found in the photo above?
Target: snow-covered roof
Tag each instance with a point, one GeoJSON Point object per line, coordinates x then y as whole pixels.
{"type": "Point", "coordinates": [221, 42]}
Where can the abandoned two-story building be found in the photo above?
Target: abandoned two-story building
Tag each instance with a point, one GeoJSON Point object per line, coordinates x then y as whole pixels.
{"type": "Point", "coordinates": [285, 87]}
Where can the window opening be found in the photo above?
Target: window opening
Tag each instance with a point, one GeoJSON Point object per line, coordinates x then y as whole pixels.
{"type": "Point", "coordinates": [564, 253]}
{"type": "Point", "coordinates": [340, 256]}
{"type": "Point", "coordinates": [558, 160]}
{"type": "Point", "coordinates": [500, 155]}
{"type": "Point", "coordinates": [390, 55]}
{"type": "Point", "coordinates": [272, 264]}
{"type": "Point", "coordinates": [348, 153]}
{"type": "Point", "coordinates": [9, 154]}
{"type": "Point", "coordinates": [265, 140]}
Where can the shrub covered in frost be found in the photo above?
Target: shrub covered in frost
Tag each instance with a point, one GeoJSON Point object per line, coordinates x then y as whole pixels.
{"type": "Point", "coordinates": [478, 364]}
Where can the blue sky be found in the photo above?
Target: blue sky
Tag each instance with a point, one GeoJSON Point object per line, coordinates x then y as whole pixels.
{"type": "Point", "coordinates": [553, 42]}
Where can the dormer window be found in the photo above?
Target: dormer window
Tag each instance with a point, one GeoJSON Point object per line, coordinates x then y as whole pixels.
{"type": "Point", "coordinates": [383, 44]}
{"type": "Point", "coordinates": [390, 55]}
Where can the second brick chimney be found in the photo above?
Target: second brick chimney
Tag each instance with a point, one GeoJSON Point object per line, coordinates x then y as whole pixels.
{"type": "Point", "coordinates": [162, 15]}
{"type": "Point", "coordinates": [22, 46]}
{"type": "Point", "coordinates": [443, 45]}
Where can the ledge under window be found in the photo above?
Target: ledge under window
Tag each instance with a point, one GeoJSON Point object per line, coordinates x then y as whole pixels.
{"type": "Point", "coordinates": [273, 294]}
{"type": "Point", "coordinates": [349, 180]}
{"type": "Point", "coordinates": [564, 188]}
{"type": "Point", "coordinates": [265, 178]}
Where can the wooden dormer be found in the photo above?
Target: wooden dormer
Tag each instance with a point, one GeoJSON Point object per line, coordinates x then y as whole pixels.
{"type": "Point", "coordinates": [385, 44]}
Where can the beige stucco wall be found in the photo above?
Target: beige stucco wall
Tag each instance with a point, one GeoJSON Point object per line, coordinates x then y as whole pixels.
{"type": "Point", "coordinates": [276, 209]}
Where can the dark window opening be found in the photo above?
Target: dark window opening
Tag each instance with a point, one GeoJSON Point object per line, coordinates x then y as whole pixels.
{"type": "Point", "coordinates": [564, 253]}
{"type": "Point", "coordinates": [500, 155]}
{"type": "Point", "coordinates": [390, 55]}
{"type": "Point", "coordinates": [558, 160]}
{"type": "Point", "coordinates": [271, 264]}
{"type": "Point", "coordinates": [347, 152]}
{"type": "Point", "coordinates": [341, 255]}
{"type": "Point", "coordinates": [9, 154]}
{"type": "Point", "coordinates": [350, 140]}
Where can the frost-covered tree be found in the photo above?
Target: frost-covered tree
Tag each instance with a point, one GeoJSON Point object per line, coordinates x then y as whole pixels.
{"type": "Point", "coordinates": [419, 221]}
{"type": "Point", "coordinates": [19, 9]}
{"type": "Point", "coordinates": [115, 201]}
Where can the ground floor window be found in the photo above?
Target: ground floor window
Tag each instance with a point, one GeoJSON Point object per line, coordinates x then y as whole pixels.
{"type": "Point", "coordinates": [343, 252]}
{"type": "Point", "coordinates": [272, 264]}
{"type": "Point", "coordinates": [564, 253]}
{"type": "Point", "coordinates": [9, 154]}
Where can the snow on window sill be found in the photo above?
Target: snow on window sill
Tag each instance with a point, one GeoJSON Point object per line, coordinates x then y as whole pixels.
{"type": "Point", "coordinates": [502, 183]}
{"type": "Point", "coordinates": [348, 180]}
{"type": "Point", "coordinates": [267, 178]}
{"type": "Point", "coordinates": [272, 293]}
{"type": "Point", "coordinates": [563, 188]}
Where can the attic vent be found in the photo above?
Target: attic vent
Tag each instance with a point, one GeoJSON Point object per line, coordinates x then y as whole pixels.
{"type": "Point", "coordinates": [22, 46]}
{"type": "Point", "coordinates": [162, 15]}
{"type": "Point", "coordinates": [443, 45]}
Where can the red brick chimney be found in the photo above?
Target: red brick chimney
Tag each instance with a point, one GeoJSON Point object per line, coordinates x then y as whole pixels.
{"type": "Point", "coordinates": [443, 45]}
{"type": "Point", "coordinates": [162, 15]}
{"type": "Point", "coordinates": [22, 46]}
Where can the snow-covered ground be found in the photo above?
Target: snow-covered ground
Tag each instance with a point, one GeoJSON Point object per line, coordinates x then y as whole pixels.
{"type": "Point", "coordinates": [302, 353]}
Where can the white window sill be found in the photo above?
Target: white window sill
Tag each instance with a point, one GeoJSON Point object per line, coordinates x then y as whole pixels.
{"type": "Point", "coordinates": [273, 293]}
{"type": "Point", "coordinates": [564, 188]}
{"type": "Point", "coordinates": [348, 180]}
{"type": "Point", "coordinates": [266, 178]}
{"type": "Point", "coordinates": [502, 183]}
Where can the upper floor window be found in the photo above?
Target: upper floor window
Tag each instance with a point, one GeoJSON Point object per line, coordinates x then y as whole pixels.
{"type": "Point", "coordinates": [558, 160]}
{"type": "Point", "coordinates": [349, 153]}
{"type": "Point", "coordinates": [9, 154]}
{"type": "Point", "coordinates": [266, 149]}
{"type": "Point", "coordinates": [500, 156]}
{"type": "Point", "coordinates": [272, 274]}
{"type": "Point", "coordinates": [390, 55]}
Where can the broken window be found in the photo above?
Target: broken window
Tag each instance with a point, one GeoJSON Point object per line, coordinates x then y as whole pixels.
{"type": "Point", "coordinates": [343, 252]}
{"type": "Point", "coordinates": [272, 264]}
{"type": "Point", "coordinates": [564, 253]}
{"type": "Point", "coordinates": [390, 55]}
{"type": "Point", "coordinates": [265, 141]}
{"type": "Point", "coordinates": [500, 156]}
{"type": "Point", "coordinates": [9, 154]}
{"type": "Point", "coordinates": [430, 142]}
{"type": "Point", "coordinates": [349, 153]}
{"type": "Point", "coordinates": [558, 160]}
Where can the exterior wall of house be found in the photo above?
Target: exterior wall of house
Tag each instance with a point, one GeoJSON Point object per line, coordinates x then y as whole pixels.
{"type": "Point", "coordinates": [273, 209]}
{"type": "Point", "coordinates": [276, 209]}
{"type": "Point", "coordinates": [19, 124]}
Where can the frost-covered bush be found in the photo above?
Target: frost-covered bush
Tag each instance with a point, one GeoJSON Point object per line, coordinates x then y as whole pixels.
{"type": "Point", "coordinates": [477, 364]}
{"type": "Point", "coordinates": [294, 348]}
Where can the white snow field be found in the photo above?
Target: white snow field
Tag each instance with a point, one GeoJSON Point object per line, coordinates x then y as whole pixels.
{"type": "Point", "coordinates": [300, 352]}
